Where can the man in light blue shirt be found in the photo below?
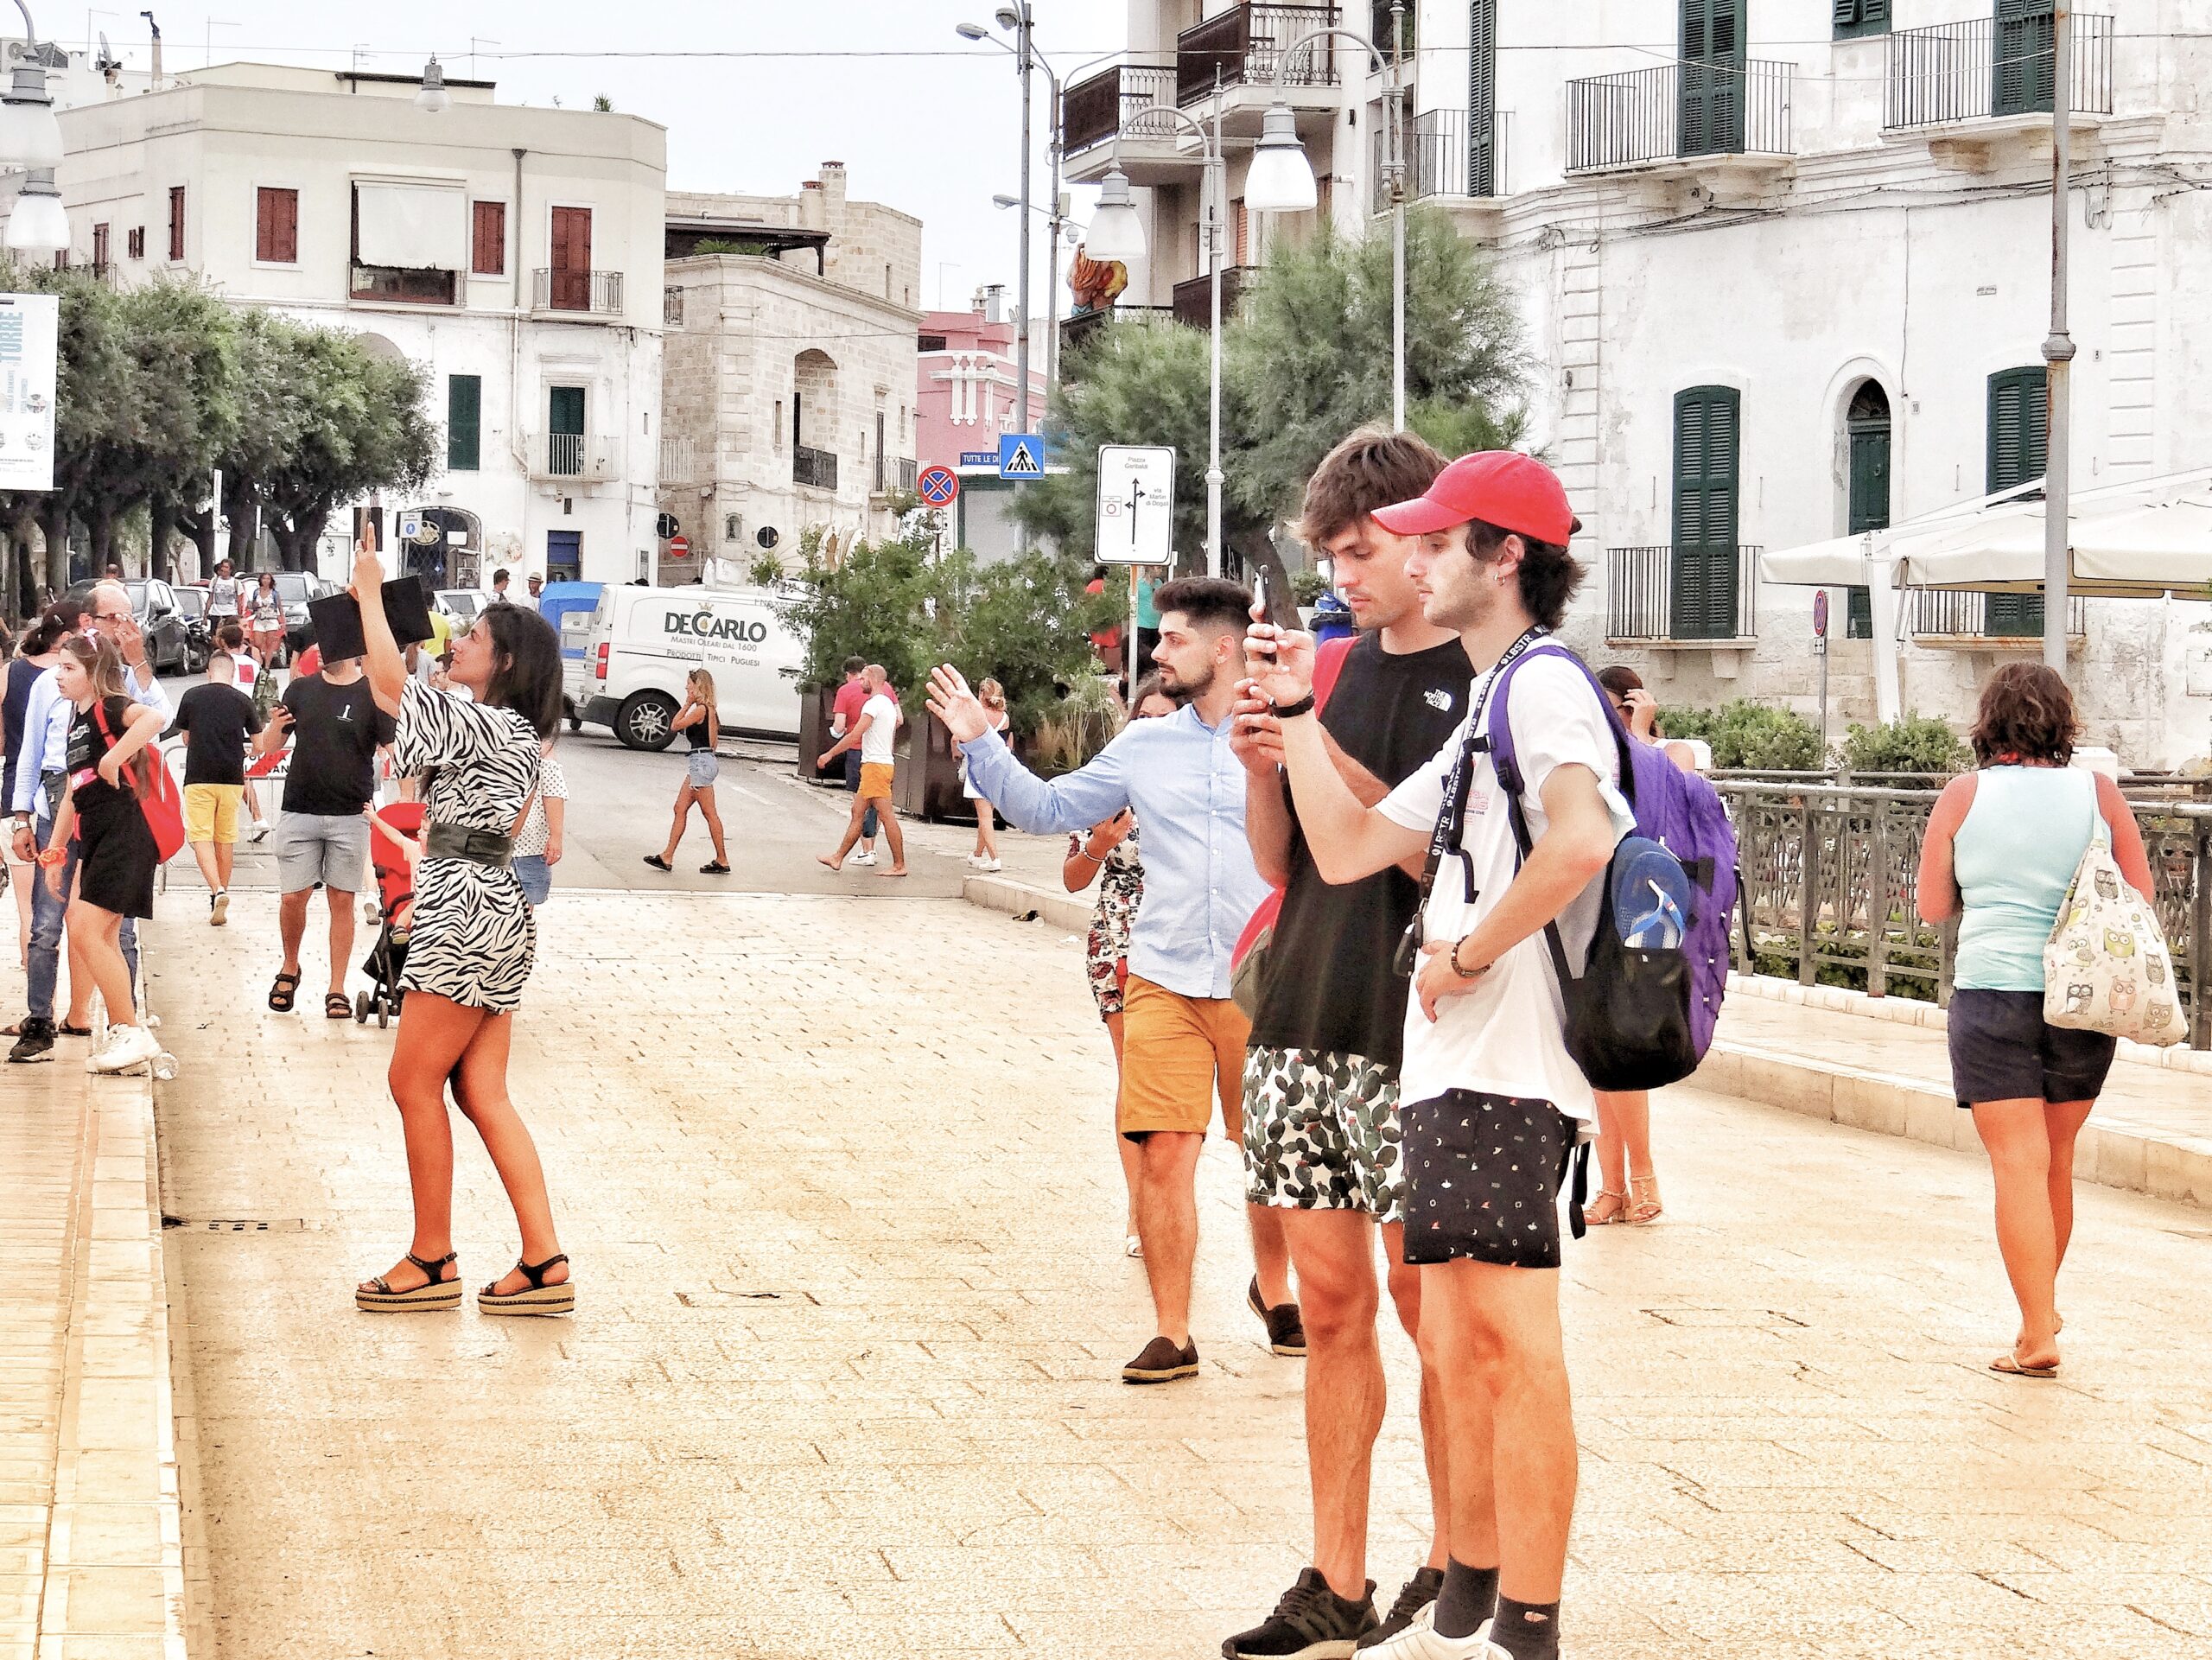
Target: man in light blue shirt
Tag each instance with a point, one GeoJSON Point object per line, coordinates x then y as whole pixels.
{"type": "Point", "coordinates": [47, 716]}
{"type": "Point", "coordinates": [1183, 1039]}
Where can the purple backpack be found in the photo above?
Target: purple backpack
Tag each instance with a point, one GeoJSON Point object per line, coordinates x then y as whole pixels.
{"type": "Point", "coordinates": [1643, 1011]}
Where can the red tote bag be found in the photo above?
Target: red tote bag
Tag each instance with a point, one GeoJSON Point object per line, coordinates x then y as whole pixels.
{"type": "Point", "coordinates": [156, 788]}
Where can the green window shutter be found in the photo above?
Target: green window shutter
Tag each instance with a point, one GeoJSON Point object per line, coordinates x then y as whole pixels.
{"type": "Point", "coordinates": [1710, 117]}
{"type": "Point", "coordinates": [464, 422]}
{"type": "Point", "coordinates": [1707, 440]}
{"type": "Point", "coordinates": [2023, 57]}
{"type": "Point", "coordinates": [565, 411]}
{"type": "Point", "coordinates": [2020, 436]}
{"type": "Point", "coordinates": [1856, 19]}
{"type": "Point", "coordinates": [1858, 613]}
{"type": "Point", "coordinates": [1482, 157]}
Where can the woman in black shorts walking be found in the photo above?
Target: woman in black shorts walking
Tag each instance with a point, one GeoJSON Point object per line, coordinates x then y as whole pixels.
{"type": "Point", "coordinates": [115, 857]}
{"type": "Point", "coordinates": [473, 943]}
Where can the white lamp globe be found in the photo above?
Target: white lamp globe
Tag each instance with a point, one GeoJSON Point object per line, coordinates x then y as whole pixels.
{"type": "Point", "coordinates": [1280, 179]}
{"type": "Point", "coordinates": [433, 99]}
{"type": "Point", "coordinates": [39, 224]}
{"type": "Point", "coordinates": [1116, 231]}
{"type": "Point", "coordinates": [30, 136]}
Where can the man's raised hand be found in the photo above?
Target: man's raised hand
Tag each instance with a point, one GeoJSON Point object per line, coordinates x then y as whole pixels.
{"type": "Point", "coordinates": [1279, 661]}
{"type": "Point", "coordinates": [951, 702]}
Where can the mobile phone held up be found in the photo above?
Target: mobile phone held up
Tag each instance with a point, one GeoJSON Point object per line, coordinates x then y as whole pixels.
{"type": "Point", "coordinates": [1275, 604]}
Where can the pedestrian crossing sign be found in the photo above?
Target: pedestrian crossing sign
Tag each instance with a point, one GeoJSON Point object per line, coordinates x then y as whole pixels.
{"type": "Point", "coordinates": [1021, 455]}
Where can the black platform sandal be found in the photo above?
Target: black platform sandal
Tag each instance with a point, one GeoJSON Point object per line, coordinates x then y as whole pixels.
{"type": "Point", "coordinates": [536, 1298]}
{"type": "Point", "coordinates": [378, 1297]}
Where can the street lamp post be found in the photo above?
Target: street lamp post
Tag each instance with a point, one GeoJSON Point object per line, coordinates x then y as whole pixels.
{"type": "Point", "coordinates": [2058, 352]}
{"type": "Point", "coordinates": [1117, 233]}
{"type": "Point", "coordinates": [30, 141]}
{"type": "Point", "coordinates": [1281, 178]}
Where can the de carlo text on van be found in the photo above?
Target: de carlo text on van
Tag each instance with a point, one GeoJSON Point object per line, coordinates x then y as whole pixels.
{"type": "Point", "coordinates": [705, 625]}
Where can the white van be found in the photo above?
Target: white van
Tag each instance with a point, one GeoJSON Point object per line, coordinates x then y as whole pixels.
{"type": "Point", "coordinates": [643, 641]}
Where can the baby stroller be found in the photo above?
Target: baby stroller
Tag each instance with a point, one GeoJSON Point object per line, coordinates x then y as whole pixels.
{"type": "Point", "coordinates": [395, 895]}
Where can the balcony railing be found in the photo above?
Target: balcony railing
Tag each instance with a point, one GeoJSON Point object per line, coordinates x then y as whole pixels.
{"type": "Point", "coordinates": [1098, 106]}
{"type": "Point", "coordinates": [570, 455]}
{"type": "Point", "coordinates": [679, 461]}
{"type": "Point", "coordinates": [1676, 111]}
{"type": "Point", "coordinates": [1083, 326]}
{"type": "Point", "coordinates": [1971, 71]}
{"type": "Point", "coordinates": [1440, 161]}
{"type": "Point", "coordinates": [1245, 43]}
{"type": "Point", "coordinates": [672, 307]}
{"type": "Point", "coordinates": [1940, 613]}
{"type": "Point", "coordinates": [1669, 594]}
{"type": "Point", "coordinates": [599, 292]}
{"type": "Point", "coordinates": [910, 474]}
{"type": "Point", "coordinates": [815, 466]}
{"type": "Point", "coordinates": [1194, 298]}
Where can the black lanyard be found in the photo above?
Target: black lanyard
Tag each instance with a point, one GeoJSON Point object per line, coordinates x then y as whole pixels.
{"type": "Point", "coordinates": [1450, 816]}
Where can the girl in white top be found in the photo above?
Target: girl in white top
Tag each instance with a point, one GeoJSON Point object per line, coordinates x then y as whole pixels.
{"type": "Point", "coordinates": [992, 696]}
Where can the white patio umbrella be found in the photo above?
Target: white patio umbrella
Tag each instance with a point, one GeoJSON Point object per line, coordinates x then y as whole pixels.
{"type": "Point", "coordinates": [2142, 540]}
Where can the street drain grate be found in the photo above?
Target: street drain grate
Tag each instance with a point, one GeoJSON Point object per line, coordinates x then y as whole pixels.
{"type": "Point", "coordinates": [237, 1225]}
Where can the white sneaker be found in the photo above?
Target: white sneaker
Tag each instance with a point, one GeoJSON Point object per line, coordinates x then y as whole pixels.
{"type": "Point", "coordinates": [865, 856]}
{"type": "Point", "coordinates": [991, 865]}
{"type": "Point", "coordinates": [127, 1047]}
{"type": "Point", "coordinates": [260, 830]}
{"type": "Point", "coordinates": [1420, 1641]}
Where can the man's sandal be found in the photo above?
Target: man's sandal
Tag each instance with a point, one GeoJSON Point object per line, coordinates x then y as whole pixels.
{"type": "Point", "coordinates": [337, 1005]}
{"type": "Point", "coordinates": [378, 1297]}
{"type": "Point", "coordinates": [536, 1298]}
{"type": "Point", "coordinates": [282, 993]}
{"type": "Point", "coordinates": [1593, 1217]}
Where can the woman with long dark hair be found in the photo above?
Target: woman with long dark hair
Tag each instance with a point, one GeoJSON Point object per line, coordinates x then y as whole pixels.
{"type": "Point", "coordinates": [265, 612]}
{"type": "Point", "coordinates": [473, 943]}
{"type": "Point", "coordinates": [2002, 844]}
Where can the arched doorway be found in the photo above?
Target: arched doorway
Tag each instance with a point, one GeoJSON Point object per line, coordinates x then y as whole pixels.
{"type": "Point", "coordinates": [1866, 437]}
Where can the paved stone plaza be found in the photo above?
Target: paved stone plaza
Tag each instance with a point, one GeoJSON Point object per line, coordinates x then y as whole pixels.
{"type": "Point", "coordinates": [837, 1178]}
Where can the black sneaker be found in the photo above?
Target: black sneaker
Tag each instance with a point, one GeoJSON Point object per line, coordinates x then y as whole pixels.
{"type": "Point", "coordinates": [37, 1042]}
{"type": "Point", "coordinates": [1312, 1622]}
{"type": "Point", "coordinates": [1162, 1362]}
{"type": "Point", "coordinates": [1285, 1332]}
{"type": "Point", "coordinates": [1426, 1586]}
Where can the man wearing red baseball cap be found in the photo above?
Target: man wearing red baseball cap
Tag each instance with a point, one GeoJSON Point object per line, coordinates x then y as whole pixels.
{"type": "Point", "coordinates": [1493, 1104]}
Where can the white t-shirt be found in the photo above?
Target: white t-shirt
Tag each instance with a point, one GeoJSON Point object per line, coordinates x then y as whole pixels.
{"type": "Point", "coordinates": [1504, 1036]}
{"type": "Point", "coordinates": [876, 743]}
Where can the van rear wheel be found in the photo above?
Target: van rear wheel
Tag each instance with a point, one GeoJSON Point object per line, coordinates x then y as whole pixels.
{"type": "Point", "coordinates": [643, 721]}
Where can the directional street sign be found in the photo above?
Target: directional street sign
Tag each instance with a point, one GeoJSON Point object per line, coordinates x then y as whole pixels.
{"type": "Point", "coordinates": [1021, 455]}
{"type": "Point", "coordinates": [1136, 504]}
{"type": "Point", "coordinates": [937, 486]}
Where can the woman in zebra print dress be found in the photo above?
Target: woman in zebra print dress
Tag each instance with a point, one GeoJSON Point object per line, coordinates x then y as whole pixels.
{"type": "Point", "coordinates": [471, 946]}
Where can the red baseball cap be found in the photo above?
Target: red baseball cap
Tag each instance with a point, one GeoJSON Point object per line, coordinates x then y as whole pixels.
{"type": "Point", "coordinates": [1503, 488]}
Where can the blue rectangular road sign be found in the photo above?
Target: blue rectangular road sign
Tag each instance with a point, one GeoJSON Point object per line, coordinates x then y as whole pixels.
{"type": "Point", "coordinates": [979, 458]}
{"type": "Point", "coordinates": [1021, 455]}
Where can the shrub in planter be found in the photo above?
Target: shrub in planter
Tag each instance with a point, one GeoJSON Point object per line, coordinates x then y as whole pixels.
{"type": "Point", "coordinates": [1746, 735]}
{"type": "Point", "coordinates": [1915, 743]}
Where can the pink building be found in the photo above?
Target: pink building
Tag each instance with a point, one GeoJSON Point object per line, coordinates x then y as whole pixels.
{"type": "Point", "coordinates": [966, 391]}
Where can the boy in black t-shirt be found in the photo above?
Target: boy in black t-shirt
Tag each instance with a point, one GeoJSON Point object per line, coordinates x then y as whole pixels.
{"type": "Point", "coordinates": [1321, 1136]}
{"type": "Point", "coordinates": [216, 720]}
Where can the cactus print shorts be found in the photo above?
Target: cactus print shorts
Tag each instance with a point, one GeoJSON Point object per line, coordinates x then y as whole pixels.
{"type": "Point", "coordinates": [1321, 1133]}
{"type": "Point", "coordinates": [1483, 1175]}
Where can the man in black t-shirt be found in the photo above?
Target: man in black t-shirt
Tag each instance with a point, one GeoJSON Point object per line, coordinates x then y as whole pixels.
{"type": "Point", "coordinates": [322, 838]}
{"type": "Point", "coordinates": [1321, 1136]}
{"type": "Point", "coordinates": [216, 719]}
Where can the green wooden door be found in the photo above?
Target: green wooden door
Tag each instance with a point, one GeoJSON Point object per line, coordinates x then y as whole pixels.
{"type": "Point", "coordinates": [1869, 439]}
{"type": "Point", "coordinates": [2024, 57]}
{"type": "Point", "coordinates": [464, 422]}
{"type": "Point", "coordinates": [2019, 438]}
{"type": "Point", "coordinates": [1485, 158]}
{"type": "Point", "coordinates": [1712, 64]}
{"type": "Point", "coordinates": [1707, 438]}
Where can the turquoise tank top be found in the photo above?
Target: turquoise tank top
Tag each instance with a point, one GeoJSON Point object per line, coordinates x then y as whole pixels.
{"type": "Point", "coordinates": [2015, 857]}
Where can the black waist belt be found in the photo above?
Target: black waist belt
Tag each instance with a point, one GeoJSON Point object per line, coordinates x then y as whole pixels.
{"type": "Point", "coordinates": [478, 847]}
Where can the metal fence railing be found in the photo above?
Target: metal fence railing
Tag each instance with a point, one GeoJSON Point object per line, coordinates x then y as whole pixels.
{"type": "Point", "coordinates": [1987, 66]}
{"type": "Point", "coordinates": [1945, 614]}
{"type": "Point", "coordinates": [1098, 106]}
{"type": "Point", "coordinates": [815, 467]}
{"type": "Point", "coordinates": [1829, 874]}
{"type": "Point", "coordinates": [595, 292]}
{"type": "Point", "coordinates": [1246, 43]}
{"type": "Point", "coordinates": [1443, 158]}
{"type": "Point", "coordinates": [1669, 594]}
{"type": "Point", "coordinates": [1672, 111]}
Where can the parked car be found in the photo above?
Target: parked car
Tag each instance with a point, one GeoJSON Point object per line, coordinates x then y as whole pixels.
{"type": "Point", "coordinates": [154, 605]}
{"type": "Point", "coordinates": [199, 638]}
{"type": "Point", "coordinates": [461, 604]}
{"type": "Point", "coordinates": [644, 640]}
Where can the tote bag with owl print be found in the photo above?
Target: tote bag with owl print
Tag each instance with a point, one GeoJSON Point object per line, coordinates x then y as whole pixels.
{"type": "Point", "coordinates": [2105, 967]}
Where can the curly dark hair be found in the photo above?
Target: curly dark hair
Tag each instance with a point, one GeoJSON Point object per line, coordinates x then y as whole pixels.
{"type": "Point", "coordinates": [2026, 713]}
{"type": "Point", "coordinates": [525, 665]}
{"type": "Point", "coordinates": [1549, 574]}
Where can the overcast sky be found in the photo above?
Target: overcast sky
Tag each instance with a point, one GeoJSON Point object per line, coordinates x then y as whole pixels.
{"type": "Point", "coordinates": [927, 122]}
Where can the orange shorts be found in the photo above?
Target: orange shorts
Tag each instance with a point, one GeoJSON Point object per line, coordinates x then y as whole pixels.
{"type": "Point", "coordinates": [1178, 1054]}
{"type": "Point", "coordinates": [875, 780]}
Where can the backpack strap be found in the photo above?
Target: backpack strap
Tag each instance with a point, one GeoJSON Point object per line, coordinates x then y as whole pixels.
{"type": "Point", "coordinates": [1328, 663]}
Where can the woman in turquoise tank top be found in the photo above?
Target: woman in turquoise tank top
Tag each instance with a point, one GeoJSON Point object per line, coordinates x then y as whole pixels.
{"type": "Point", "coordinates": [2002, 845]}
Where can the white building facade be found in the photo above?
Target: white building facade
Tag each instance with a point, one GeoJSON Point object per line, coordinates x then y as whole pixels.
{"type": "Point", "coordinates": [1784, 271]}
{"type": "Point", "coordinates": [514, 253]}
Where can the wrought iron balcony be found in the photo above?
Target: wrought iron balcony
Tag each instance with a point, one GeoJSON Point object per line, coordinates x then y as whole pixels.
{"type": "Point", "coordinates": [1441, 159]}
{"type": "Point", "coordinates": [1097, 106]}
{"type": "Point", "coordinates": [1083, 326]}
{"type": "Point", "coordinates": [1679, 112]}
{"type": "Point", "coordinates": [1194, 299]}
{"type": "Point", "coordinates": [569, 455]}
{"type": "Point", "coordinates": [1991, 621]}
{"type": "Point", "coordinates": [815, 466]}
{"type": "Point", "coordinates": [1669, 595]}
{"type": "Point", "coordinates": [1987, 67]}
{"type": "Point", "coordinates": [598, 292]}
{"type": "Point", "coordinates": [1243, 45]}
{"type": "Point", "coordinates": [910, 473]}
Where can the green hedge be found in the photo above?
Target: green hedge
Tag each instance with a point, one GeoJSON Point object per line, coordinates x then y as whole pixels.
{"type": "Point", "coordinates": [1744, 733]}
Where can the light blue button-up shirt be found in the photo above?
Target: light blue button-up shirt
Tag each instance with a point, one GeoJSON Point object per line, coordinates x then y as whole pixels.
{"type": "Point", "coordinates": [1186, 787]}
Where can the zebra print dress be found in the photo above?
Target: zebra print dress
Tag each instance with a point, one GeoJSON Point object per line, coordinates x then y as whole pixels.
{"type": "Point", "coordinates": [474, 939]}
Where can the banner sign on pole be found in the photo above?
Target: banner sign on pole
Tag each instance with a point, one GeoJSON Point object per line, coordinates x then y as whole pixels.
{"type": "Point", "coordinates": [29, 328]}
{"type": "Point", "coordinates": [1136, 504]}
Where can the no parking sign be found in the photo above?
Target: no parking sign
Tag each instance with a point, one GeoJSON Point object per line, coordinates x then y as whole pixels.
{"type": "Point", "coordinates": [937, 486]}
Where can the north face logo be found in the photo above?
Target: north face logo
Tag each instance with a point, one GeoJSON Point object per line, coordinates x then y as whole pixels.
{"type": "Point", "coordinates": [1437, 698]}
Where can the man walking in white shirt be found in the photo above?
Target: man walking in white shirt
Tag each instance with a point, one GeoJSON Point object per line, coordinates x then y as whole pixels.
{"type": "Point", "coordinates": [873, 733]}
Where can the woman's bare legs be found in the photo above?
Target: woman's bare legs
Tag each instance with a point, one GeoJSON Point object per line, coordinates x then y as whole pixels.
{"type": "Point", "coordinates": [684, 797]}
{"type": "Point", "coordinates": [434, 1033]}
{"type": "Point", "coordinates": [98, 936]}
{"type": "Point", "coordinates": [987, 830]}
{"type": "Point", "coordinates": [480, 1089]}
{"type": "Point", "coordinates": [711, 811]}
{"type": "Point", "coordinates": [2018, 1134]}
{"type": "Point", "coordinates": [1624, 1152]}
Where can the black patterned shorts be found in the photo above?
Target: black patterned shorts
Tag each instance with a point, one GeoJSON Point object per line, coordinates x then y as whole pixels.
{"type": "Point", "coordinates": [1321, 1133]}
{"type": "Point", "coordinates": [1483, 1175]}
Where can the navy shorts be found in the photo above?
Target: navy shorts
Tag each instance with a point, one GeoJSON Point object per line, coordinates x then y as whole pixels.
{"type": "Point", "coordinates": [1483, 1175]}
{"type": "Point", "coordinates": [2002, 1049]}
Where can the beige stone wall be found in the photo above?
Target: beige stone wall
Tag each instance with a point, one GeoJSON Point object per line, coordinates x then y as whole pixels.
{"type": "Point", "coordinates": [873, 250]}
